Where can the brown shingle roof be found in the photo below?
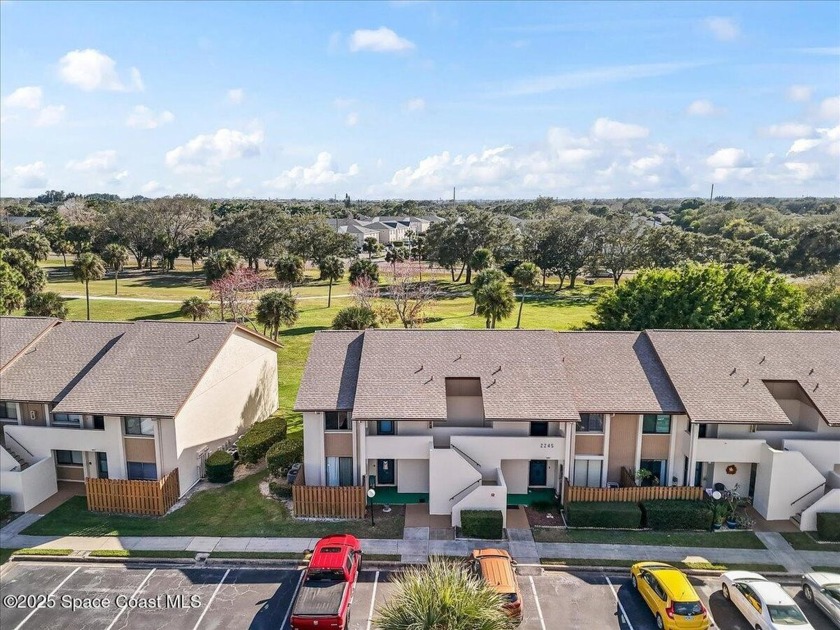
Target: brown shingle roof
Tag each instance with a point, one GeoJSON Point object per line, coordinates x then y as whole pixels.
{"type": "Point", "coordinates": [18, 332]}
{"type": "Point", "coordinates": [617, 371]}
{"type": "Point", "coordinates": [329, 379]}
{"type": "Point", "coordinates": [531, 384]}
{"type": "Point", "coordinates": [720, 374]}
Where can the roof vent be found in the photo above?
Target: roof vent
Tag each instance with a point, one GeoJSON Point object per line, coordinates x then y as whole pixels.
{"type": "Point", "coordinates": [747, 382]}
{"type": "Point", "coordinates": [458, 358]}
{"type": "Point", "coordinates": [816, 387]}
{"type": "Point", "coordinates": [811, 372]}
{"type": "Point", "coordinates": [420, 369]}
{"type": "Point", "coordinates": [733, 371]}
{"type": "Point", "coordinates": [763, 359]}
{"type": "Point", "coordinates": [493, 383]}
{"type": "Point", "coordinates": [497, 370]}
{"type": "Point", "coordinates": [431, 378]}
{"type": "Point", "coordinates": [196, 338]}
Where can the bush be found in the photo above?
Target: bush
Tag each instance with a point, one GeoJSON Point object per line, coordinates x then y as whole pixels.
{"type": "Point", "coordinates": [5, 506]}
{"type": "Point", "coordinates": [256, 441]}
{"type": "Point", "coordinates": [360, 267]}
{"type": "Point", "coordinates": [828, 526]}
{"type": "Point", "coordinates": [219, 467]}
{"type": "Point", "coordinates": [285, 453]}
{"type": "Point", "coordinates": [610, 514]}
{"type": "Point", "coordinates": [482, 524]}
{"type": "Point", "coordinates": [281, 490]}
{"type": "Point", "coordinates": [355, 318]}
{"type": "Point", "coordinates": [676, 514]}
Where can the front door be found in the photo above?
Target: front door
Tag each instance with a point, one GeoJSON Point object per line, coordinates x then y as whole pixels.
{"type": "Point", "coordinates": [385, 472]}
{"type": "Point", "coordinates": [537, 472]}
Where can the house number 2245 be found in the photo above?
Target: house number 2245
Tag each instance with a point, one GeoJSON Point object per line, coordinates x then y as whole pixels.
{"type": "Point", "coordinates": [546, 444]}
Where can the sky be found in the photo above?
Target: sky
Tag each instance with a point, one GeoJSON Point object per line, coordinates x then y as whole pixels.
{"type": "Point", "coordinates": [407, 100]}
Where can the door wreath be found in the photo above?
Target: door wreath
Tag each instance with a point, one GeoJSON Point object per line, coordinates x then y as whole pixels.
{"type": "Point", "coordinates": [731, 469]}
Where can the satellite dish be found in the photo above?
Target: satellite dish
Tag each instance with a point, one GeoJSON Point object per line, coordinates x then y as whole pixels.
{"type": "Point", "coordinates": [716, 495]}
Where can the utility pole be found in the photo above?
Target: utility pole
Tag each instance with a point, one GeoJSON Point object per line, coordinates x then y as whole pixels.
{"type": "Point", "coordinates": [453, 195]}
{"type": "Point", "coordinates": [712, 194]}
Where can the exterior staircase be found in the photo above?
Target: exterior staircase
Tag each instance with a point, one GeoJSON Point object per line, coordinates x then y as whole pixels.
{"type": "Point", "coordinates": [4, 444]}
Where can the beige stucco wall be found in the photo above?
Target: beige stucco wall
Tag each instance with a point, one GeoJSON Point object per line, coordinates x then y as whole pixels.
{"type": "Point", "coordinates": [138, 449]}
{"type": "Point", "coordinates": [624, 429]}
{"type": "Point", "coordinates": [655, 446]}
{"type": "Point", "coordinates": [589, 444]}
{"type": "Point", "coordinates": [338, 444]}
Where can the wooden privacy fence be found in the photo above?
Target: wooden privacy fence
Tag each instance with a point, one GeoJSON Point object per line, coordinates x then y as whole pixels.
{"type": "Point", "coordinates": [327, 501]}
{"type": "Point", "coordinates": [638, 493]}
{"type": "Point", "coordinates": [133, 497]}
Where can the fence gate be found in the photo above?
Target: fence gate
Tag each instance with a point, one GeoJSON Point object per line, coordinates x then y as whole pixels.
{"type": "Point", "coordinates": [202, 456]}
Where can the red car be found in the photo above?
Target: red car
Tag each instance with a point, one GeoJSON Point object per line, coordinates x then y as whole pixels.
{"type": "Point", "coordinates": [326, 593]}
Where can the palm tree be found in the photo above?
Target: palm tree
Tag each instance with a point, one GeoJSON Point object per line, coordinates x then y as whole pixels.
{"type": "Point", "coordinates": [88, 267]}
{"type": "Point", "coordinates": [11, 288]}
{"type": "Point", "coordinates": [332, 269]}
{"type": "Point", "coordinates": [46, 304]}
{"type": "Point", "coordinates": [275, 309]}
{"type": "Point", "coordinates": [485, 277]}
{"type": "Point", "coordinates": [395, 255]}
{"type": "Point", "coordinates": [115, 256]}
{"type": "Point", "coordinates": [495, 301]}
{"type": "Point", "coordinates": [196, 307]}
{"type": "Point", "coordinates": [371, 246]}
{"type": "Point", "coordinates": [220, 263]}
{"type": "Point", "coordinates": [442, 595]}
{"type": "Point", "coordinates": [525, 276]}
{"type": "Point", "coordinates": [289, 270]}
{"type": "Point", "coordinates": [481, 259]}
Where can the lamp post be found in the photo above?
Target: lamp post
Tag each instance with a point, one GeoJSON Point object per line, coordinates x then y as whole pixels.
{"type": "Point", "coordinates": [371, 493]}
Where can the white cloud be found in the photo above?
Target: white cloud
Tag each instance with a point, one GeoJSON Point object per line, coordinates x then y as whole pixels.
{"type": "Point", "coordinates": [98, 162]}
{"type": "Point", "coordinates": [787, 130]}
{"type": "Point", "coordinates": [830, 108]}
{"type": "Point", "coordinates": [210, 150]}
{"type": "Point", "coordinates": [30, 175]}
{"type": "Point", "coordinates": [799, 93]}
{"type": "Point", "coordinates": [804, 144]}
{"type": "Point", "coordinates": [343, 103]}
{"type": "Point", "coordinates": [24, 98]}
{"type": "Point", "coordinates": [141, 117]}
{"type": "Point", "coordinates": [729, 158]}
{"type": "Point", "coordinates": [151, 187]}
{"type": "Point", "coordinates": [381, 39]}
{"type": "Point", "coordinates": [352, 119]}
{"type": "Point", "coordinates": [414, 105]}
{"type": "Point", "coordinates": [702, 107]}
{"type": "Point", "coordinates": [236, 96]}
{"type": "Point", "coordinates": [320, 173]}
{"type": "Point", "coordinates": [614, 131]}
{"type": "Point", "coordinates": [50, 115]}
{"type": "Point", "coordinates": [803, 171]}
{"type": "Point", "coordinates": [724, 29]}
{"type": "Point", "coordinates": [91, 70]}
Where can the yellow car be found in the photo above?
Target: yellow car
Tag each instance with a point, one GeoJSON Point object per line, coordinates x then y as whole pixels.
{"type": "Point", "coordinates": [670, 596]}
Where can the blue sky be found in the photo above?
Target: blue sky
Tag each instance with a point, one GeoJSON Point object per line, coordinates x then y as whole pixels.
{"type": "Point", "coordinates": [408, 99]}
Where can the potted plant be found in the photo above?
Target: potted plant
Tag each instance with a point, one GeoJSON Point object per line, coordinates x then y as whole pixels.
{"type": "Point", "coordinates": [720, 512]}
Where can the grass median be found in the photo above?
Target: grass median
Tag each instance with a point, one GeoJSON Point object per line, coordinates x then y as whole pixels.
{"type": "Point", "coordinates": [726, 540]}
{"type": "Point", "coordinates": [803, 541]}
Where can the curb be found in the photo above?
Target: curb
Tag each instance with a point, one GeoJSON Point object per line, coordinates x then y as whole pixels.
{"type": "Point", "coordinates": [783, 578]}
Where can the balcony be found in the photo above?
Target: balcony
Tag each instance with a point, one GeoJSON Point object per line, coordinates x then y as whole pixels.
{"type": "Point", "coordinates": [398, 446]}
{"type": "Point", "coordinates": [41, 440]}
{"type": "Point", "coordinates": [728, 450]}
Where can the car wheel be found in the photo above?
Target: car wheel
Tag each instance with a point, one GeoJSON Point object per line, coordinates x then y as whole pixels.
{"type": "Point", "coordinates": [725, 590]}
{"type": "Point", "coordinates": [809, 594]}
{"type": "Point", "coordinates": [659, 623]}
{"type": "Point", "coordinates": [634, 582]}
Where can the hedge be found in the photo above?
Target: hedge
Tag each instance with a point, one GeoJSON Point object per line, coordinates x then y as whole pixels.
{"type": "Point", "coordinates": [281, 490]}
{"type": "Point", "coordinates": [482, 524]}
{"type": "Point", "coordinates": [677, 514]}
{"type": "Point", "coordinates": [256, 441]}
{"type": "Point", "coordinates": [219, 467]}
{"type": "Point", "coordinates": [5, 506]}
{"type": "Point", "coordinates": [828, 526]}
{"type": "Point", "coordinates": [285, 453]}
{"type": "Point", "coordinates": [609, 514]}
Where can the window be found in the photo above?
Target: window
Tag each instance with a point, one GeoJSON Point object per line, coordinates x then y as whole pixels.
{"type": "Point", "coordinates": [135, 425]}
{"type": "Point", "coordinates": [539, 428]}
{"type": "Point", "coordinates": [657, 470]}
{"type": "Point", "coordinates": [591, 423]}
{"type": "Point", "coordinates": [339, 471]}
{"type": "Point", "coordinates": [142, 471]}
{"type": "Point", "coordinates": [385, 427]}
{"type": "Point", "coordinates": [102, 465]}
{"type": "Point", "coordinates": [67, 419]}
{"type": "Point", "coordinates": [8, 410]}
{"type": "Point", "coordinates": [656, 423]}
{"type": "Point", "coordinates": [588, 472]}
{"type": "Point", "coordinates": [99, 422]}
{"type": "Point", "coordinates": [336, 421]}
{"type": "Point", "coordinates": [69, 458]}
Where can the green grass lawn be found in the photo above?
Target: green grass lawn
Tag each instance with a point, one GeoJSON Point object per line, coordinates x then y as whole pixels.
{"type": "Point", "coordinates": [803, 541]}
{"type": "Point", "coordinates": [5, 554]}
{"type": "Point", "coordinates": [237, 509]}
{"type": "Point", "coordinates": [729, 540]}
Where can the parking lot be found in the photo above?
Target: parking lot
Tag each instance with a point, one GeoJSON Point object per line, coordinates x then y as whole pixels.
{"type": "Point", "coordinates": [240, 597]}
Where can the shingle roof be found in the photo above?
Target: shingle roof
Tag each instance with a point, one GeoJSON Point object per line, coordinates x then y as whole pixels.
{"type": "Point", "coordinates": [720, 374]}
{"type": "Point", "coordinates": [18, 332]}
{"type": "Point", "coordinates": [329, 379]}
{"type": "Point", "coordinates": [404, 372]}
{"type": "Point", "coordinates": [617, 371]}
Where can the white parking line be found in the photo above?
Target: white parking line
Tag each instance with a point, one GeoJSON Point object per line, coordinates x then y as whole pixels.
{"type": "Point", "coordinates": [29, 616]}
{"type": "Point", "coordinates": [292, 602]}
{"type": "Point", "coordinates": [537, 602]}
{"type": "Point", "coordinates": [372, 600]}
{"type": "Point", "coordinates": [618, 601]}
{"type": "Point", "coordinates": [137, 590]}
{"type": "Point", "coordinates": [212, 597]}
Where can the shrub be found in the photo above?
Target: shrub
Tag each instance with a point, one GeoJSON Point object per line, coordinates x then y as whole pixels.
{"type": "Point", "coordinates": [355, 318]}
{"type": "Point", "coordinates": [676, 514]}
{"type": "Point", "coordinates": [256, 441]}
{"type": "Point", "coordinates": [359, 268]}
{"type": "Point", "coordinates": [5, 506]}
{"type": "Point", "coordinates": [828, 526]}
{"type": "Point", "coordinates": [285, 453]}
{"type": "Point", "coordinates": [219, 467]}
{"type": "Point", "coordinates": [611, 514]}
{"type": "Point", "coordinates": [482, 524]}
{"type": "Point", "coordinates": [281, 490]}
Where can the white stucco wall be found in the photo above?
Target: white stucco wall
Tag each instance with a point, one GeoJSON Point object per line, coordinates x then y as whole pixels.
{"type": "Point", "coordinates": [516, 475]}
{"type": "Point", "coordinates": [412, 475]}
{"type": "Point", "coordinates": [238, 389]}
{"type": "Point", "coordinates": [781, 478]}
{"type": "Point", "coordinates": [741, 478]}
{"type": "Point", "coordinates": [30, 486]}
{"type": "Point", "coordinates": [824, 454]}
{"type": "Point", "coordinates": [449, 474]}
{"type": "Point", "coordinates": [7, 462]}
{"type": "Point", "coordinates": [830, 502]}
{"type": "Point", "coordinates": [484, 498]}
{"type": "Point", "coordinates": [313, 447]}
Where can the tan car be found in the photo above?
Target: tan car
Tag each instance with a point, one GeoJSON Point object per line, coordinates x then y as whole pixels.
{"type": "Point", "coordinates": [495, 566]}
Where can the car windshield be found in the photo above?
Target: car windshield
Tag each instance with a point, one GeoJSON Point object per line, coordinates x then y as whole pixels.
{"type": "Point", "coordinates": [790, 615]}
{"type": "Point", "coordinates": [833, 591]}
{"type": "Point", "coordinates": [687, 608]}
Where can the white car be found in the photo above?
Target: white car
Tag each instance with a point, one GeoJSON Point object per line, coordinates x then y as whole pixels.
{"type": "Point", "coordinates": [823, 589]}
{"type": "Point", "coordinates": [764, 604]}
